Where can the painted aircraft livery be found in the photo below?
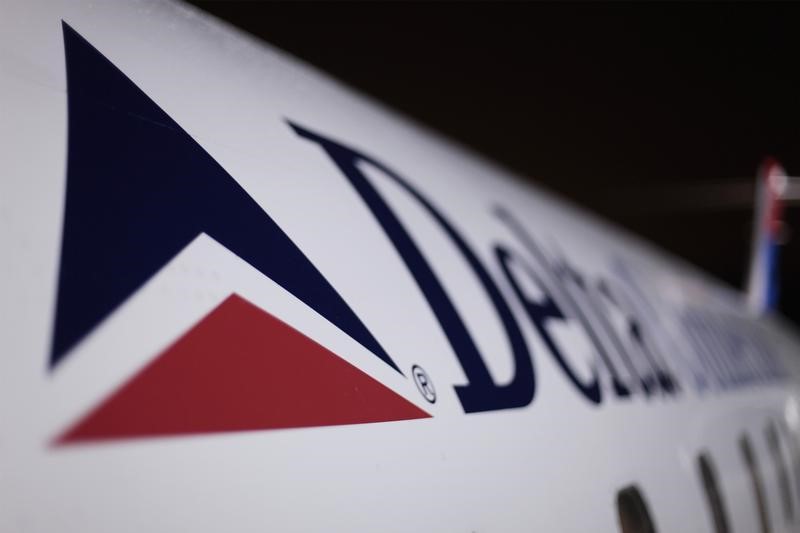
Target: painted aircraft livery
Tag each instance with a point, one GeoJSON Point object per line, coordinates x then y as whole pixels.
{"type": "Point", "coordinates": [240, 296]}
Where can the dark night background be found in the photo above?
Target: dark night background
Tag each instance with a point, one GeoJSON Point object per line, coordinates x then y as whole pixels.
{"type": "Point", "coordinates": [656, 116]}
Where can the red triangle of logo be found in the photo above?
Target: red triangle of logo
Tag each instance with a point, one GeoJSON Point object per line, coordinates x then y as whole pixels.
{"type": "Point", "coordinates": [238, 369]}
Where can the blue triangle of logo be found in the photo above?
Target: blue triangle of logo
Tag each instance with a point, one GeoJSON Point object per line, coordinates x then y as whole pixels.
{"type": "Point", "coordinates": [139, 189]}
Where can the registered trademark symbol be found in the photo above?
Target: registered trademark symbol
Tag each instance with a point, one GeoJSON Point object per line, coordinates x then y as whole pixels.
{"type": "Point", "coordinates": [424, 384]}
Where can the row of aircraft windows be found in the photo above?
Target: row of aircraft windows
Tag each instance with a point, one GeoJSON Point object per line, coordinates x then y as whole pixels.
{"type": "Point", "coordinates": [634, 514]}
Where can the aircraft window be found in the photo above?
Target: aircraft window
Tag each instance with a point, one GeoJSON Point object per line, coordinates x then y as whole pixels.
{"type": "Point", "coordinates": [781, 469]}
{"type": "Point", "coordinates": [756, 482]}
{"type": "Point", "coordinates": [793, 447]}
{"type": "Point", "coordinates": [713, 494]}
{"type": "Point", "coordinates": [634, 516]}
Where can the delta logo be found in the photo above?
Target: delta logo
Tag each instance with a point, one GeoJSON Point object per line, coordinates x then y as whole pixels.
{"type": "Point", "coordinates": [139, 190]}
